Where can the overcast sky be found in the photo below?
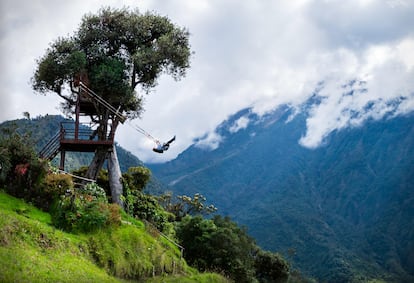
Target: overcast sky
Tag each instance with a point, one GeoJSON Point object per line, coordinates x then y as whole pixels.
{"type": "Point", "coordinates": [246, 53]}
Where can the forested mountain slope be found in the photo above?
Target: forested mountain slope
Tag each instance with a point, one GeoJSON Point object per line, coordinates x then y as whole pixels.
{"type": "Point", "coordinates": [343, 211]}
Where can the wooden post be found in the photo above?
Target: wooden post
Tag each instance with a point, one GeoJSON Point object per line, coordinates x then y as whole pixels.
{"type": "Point", "coordinates": [77, 111]}
{"type": "Point", "coordinates": [62, 160]}
{"type": "Point", "coordinates": [62, 150]}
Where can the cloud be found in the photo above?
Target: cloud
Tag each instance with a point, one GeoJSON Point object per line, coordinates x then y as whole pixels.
{"type": "Point", "coordinates": [357, 24]}
{"type": "Point", "coordinates": [247, 53]}
{"type": "Point", "coordinates": [383, 87]}
{"type": "Point", "coordinates": [239, 124]}
{"type": "Point", "coordinates": [209, 142]}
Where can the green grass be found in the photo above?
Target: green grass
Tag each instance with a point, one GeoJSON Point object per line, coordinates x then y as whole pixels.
{"type": "Point", "coordinates": [129, 252]}
{"type": "Point", "coordinates": [31, 250]}
{"type": "Point", "coordinates": [8, 203]}
{"type": "Point", "coordinates": [28, 264]}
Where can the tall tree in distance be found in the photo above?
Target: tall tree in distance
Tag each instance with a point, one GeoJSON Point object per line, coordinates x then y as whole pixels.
{"type": "Point", "coordinates": [113, 52]}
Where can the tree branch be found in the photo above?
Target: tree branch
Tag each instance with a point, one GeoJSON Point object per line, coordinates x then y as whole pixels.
{"type": "Point", "coordinates": [134, 75]}
{"type": "Point", "coordinates": [71, 101]}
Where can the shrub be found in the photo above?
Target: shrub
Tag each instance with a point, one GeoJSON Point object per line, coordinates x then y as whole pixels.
{"type": "Point", "coordinates": [54, 186]}
{"type": "Point", "coordinates": [137, 177]}
{"type": "Point", "coordinates": [271, 267]}
{"type": "Point", "coordinates": [58, 184]}
{"type": "Point", "coordinates": [85, 210]}
{"type": "Point", "coordinates": [102, 179]}
{"type": "Point", "coordinates": [21, 170]}
{"type": "Point", "coordinates": [146, 207]}
{"type": "Point", "coordinates": [95, 191]}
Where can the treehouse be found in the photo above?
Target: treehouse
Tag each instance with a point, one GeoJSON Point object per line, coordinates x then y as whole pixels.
{"type": "Point", "coordinates": [83, 137]}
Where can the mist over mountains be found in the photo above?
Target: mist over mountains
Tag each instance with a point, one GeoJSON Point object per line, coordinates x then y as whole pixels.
{"type": "Point", "coordinates": [342, 211]}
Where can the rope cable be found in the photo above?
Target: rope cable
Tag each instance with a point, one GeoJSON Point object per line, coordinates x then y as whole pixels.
{"type": "Point", "coordinates": [142, 131]}
{"type": "Point", "coordinates": [76, 176]}
{"type": "Point", "coordinates": [102, 102]}
{"type": "Point", "coordinates": [116, 112]}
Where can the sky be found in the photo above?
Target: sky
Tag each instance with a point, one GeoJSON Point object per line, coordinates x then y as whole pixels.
{"type": "Point", "coordinates": [251, 53]}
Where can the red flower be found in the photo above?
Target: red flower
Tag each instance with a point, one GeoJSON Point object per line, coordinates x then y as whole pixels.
{"type": "Point", "coordinates": [21, 169]}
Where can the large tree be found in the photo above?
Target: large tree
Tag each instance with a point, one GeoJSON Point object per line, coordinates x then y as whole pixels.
{"type": "Point", "coordinates": [113, 52]}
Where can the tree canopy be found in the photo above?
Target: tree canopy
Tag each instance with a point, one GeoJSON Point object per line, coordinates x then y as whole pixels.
{"type": "Point", "coordinates": [113, 52]}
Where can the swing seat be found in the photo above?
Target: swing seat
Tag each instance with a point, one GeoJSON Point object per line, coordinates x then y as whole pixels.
{"type": "Point", "coordinates": [158, 150]}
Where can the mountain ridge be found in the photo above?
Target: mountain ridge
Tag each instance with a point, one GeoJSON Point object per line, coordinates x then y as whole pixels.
{"type": "Point", "coordinates": [334, 202]}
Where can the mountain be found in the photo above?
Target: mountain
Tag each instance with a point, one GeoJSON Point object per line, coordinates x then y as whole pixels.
{"type": "Point", "coordinates": [343, 211]}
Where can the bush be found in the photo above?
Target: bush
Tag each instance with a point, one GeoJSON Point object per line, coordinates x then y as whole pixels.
{"type": "Point", "coordinates": [21, 170]}
{"type": "Point", "coordinates": [95, 191]}
{"type": "Point", "coordinates": [271, 267]}
{"type": "Point", "coordinates": [85, 210]}
{"type": "Point", "coordinates": [54, 186]}
{"type": "Point", "coordinates": [146, 207]}
{"type": "Point", "coordinates": [102, 179]}
{"type": "Point", "coordinates": [58, 184]}
{"type": "Point", "coordinates": [137, 177]}
{"type": "Point", "coordinates": [141, 205]}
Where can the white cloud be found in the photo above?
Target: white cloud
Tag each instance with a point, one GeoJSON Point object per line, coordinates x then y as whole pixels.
{"type": "Point", "coordinates": [386, 88]}
{"type": "Point", "coordinates": [210, 141]}
{"type": "Point", "coordinates": [247, 53]}
{"type": "Point", "coordinates": [239, 124]}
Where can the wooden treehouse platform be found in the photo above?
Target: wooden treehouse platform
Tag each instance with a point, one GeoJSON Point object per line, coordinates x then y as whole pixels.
{"type": "Point", "coordinates": [77, 137]}
{"type": "Point", "coordinates": [83, 145]}
{"type": "Point", "coordinates": [82, 138]}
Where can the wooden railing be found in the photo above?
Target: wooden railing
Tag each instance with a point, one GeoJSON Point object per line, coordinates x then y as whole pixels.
{"type": "Point", "coordinates": [50, 149]}
{"type": "Point", "coordinates": [84, 132]}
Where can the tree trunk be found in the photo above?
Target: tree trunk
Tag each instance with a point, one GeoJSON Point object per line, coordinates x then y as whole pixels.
{"type": "Point", "coordinates": [114, 174]}
{"type": "Point", "coordinates": [97, 162]}
{"type": "Point", "coordinates": [101, 154]}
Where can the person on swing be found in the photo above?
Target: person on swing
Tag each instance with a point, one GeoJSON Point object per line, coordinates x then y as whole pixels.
{"type": "Point", "coordinates": [163, 147]}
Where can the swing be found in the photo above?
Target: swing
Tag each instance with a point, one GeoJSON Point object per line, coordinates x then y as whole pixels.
{"type": "Point", "coordinates": [164, 147]}
{"type": "Point", "coordinates": [159, 148]}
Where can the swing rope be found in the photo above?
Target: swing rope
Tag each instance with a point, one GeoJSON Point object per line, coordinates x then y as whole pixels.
{"type": "Point", "coordinates": [102, 101]}
{"type": "Point", "coordinates": [122, 118]}
{"type": "Point", "coordinates": [142, 131]}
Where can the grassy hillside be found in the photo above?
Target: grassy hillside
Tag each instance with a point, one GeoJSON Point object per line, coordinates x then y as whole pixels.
{"type": "Point", "coordinates": [31, 250]}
